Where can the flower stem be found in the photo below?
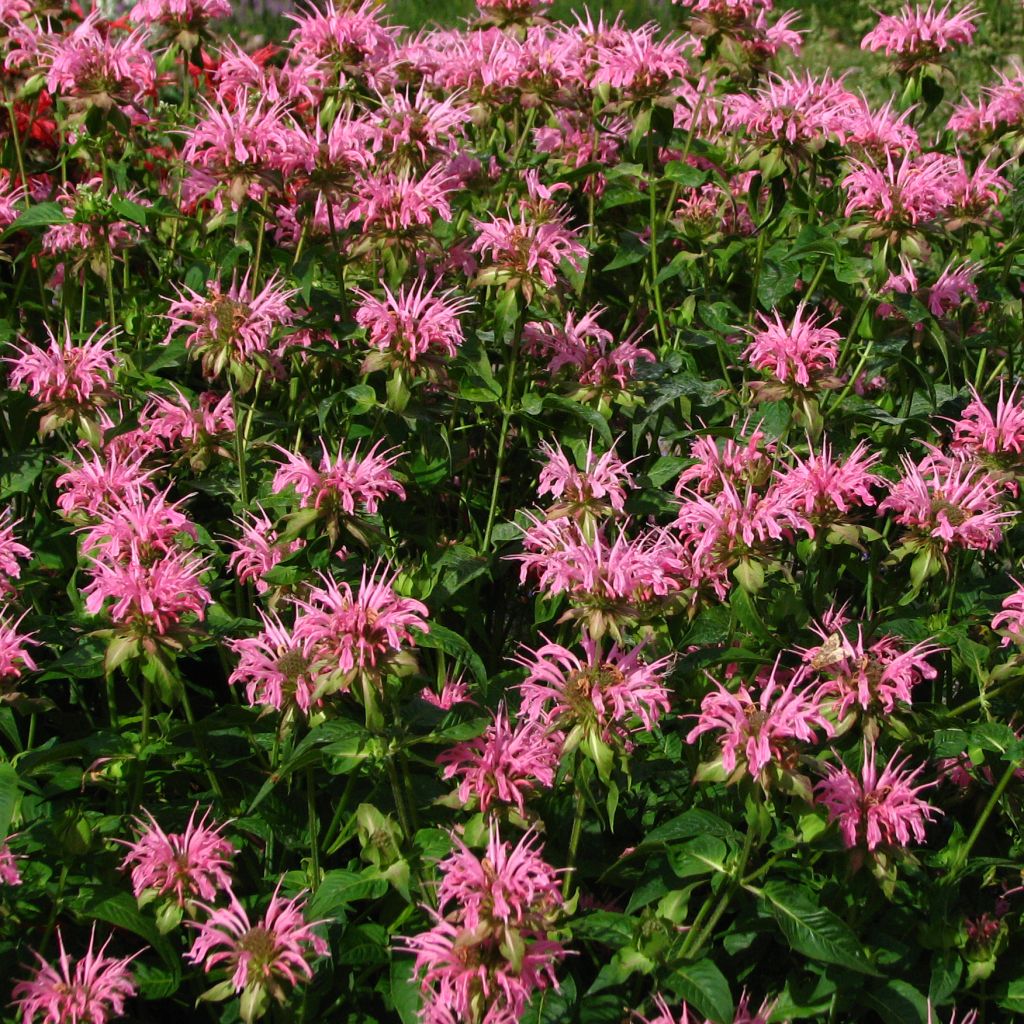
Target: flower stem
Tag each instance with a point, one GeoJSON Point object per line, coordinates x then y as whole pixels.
{"type": "Point", "coordinates": [314, 840]}
{"type": "Point", "coordinates": [579, 808]}
{"type": "Point", "coordinates": [993, 800]}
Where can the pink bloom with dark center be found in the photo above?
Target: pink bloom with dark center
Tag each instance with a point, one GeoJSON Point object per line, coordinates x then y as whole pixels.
{"type": "Point", "coordinates": [268, 957]}
{"type": "Point", "coordinates": [505, 764]}
{"type": "Point", "coordinates": [601, 483]}
{"type": "Point", "coordinates": [347, 483]}
{"type": "Point", "coordinates": [191, 865]}
{"type": "Point", "coordinates": [63, 377]}
{"type": "Point", "coordinates": [603, 691]}
{"type": "Point", "coordinates": [233, 326]}
{"type": "Point", "coordinates": [362, 630]}
{"type": "Point", "coordinates": [798, 353]}
{"type": "Point", "coordinates": [760, 729]}
{"type": "Point", "coordinates": [825, 488]}
{"type": "Point", "coordinates": [873, 677]}
{"type": "Point", "coordinates": [416, 324]}
{"type": "Point", "coordinates": [979, 432]}
{"type": "Point", "coordinates": [150, 596]}
{"type": "Point", "coordinates": [277, 666]}
{"type": "Point", "coordinates": [92, 990]}
{"type": "Point", "coordinates": [876, 809]}
{"type": "Point", "coordinates": [949, 502]}
{"type": "Point", "coordinates": [918, 35]}
{"type": "Point", "coordinates": [14, 656]}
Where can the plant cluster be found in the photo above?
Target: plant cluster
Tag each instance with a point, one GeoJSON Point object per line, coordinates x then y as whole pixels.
{"type": "Point", "coordinates": [512, 523]}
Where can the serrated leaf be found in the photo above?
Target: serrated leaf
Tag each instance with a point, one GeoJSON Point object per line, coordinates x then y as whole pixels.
{"type": "Point", "coordinates": [37, 216]}
{"type": "Point", "coordinates": [338, 889]}
{"type": "Point", "coordinates": [813, 930]}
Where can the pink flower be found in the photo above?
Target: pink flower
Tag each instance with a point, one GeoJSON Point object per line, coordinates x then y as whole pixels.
{"type": "Point", "coordinates": [191, 865]}
{"type": "Point", "coordinates": [94, 68]}
{"type": "Point", "coordinates": [980, 434]}
{"type": "Point", "coordinates": [876, 810]}
{"type": "Point", "coordinates": [350, 482]}
{"type": "Point", "coordinates": [948, 503]}
{"type": "Point", "coordinates": [392, 205]}
{"type": "Point", "coordinates": [505, 765]}
{"type": "Point", "coordinates": [266, 958]}
{"type": "Point", "coordinates": [9, 873]}
{"type": "Point", "coordinates": [603, 692]}
{"type": "Point", "coordinates": [364, 632]}
{"type": "Point", "coordinates": [277, 667]}
{"type": "Point", "coordinates": [140, 525]}
{"type": "Point", "coordinates": [639, 65]}
{"type": "Point", "coordinates": [150, 597]}
{"type": "Point", "coordinates": [233, 328]}
{"type": "Point", "coordinates": [586, 351]}
{"type": "Point", "coordinates": [745, 460]}
{"type": "Point", "coordinates": [106, 478]}
{"type": "Point", "coordinates": [11, 553]}
{"type": "Point", "coordinates": [525, 253]}
{"type": "Point", "coordinates": [258, 550]}
{"type": "Point", "coordinates": [601, 483]}
{"type": "Point", "coordinates": [508, 888]}
{"type": "Point", "coordinates": [1011, 618]}
{"type": "Point", "coordinates": [953, 285]}
{"type": "Point", "coordinates": [825, 488]}
{"type": "Point", "coordinates": [760, 730]}
{"type": "Point", "coordinates": [872, 677]}
{"type": "Point", "coordinates": [92, 990]}
{"type": "Point", "coordinates": [485, 959]}
{"type": "Point", "coordinates": [453, 691]}
{"type": "Point", "coordinates": [899, 197]}
{"type": "Point", "coordinates": [918, 35]}
{"type": "Point", "coordinates": [416, 326]}
{"type": "Point", "coordinates": [66, 379]}
{"type": "Point", "coordinates": [609, 581]}
{"type": "Point", "coordinates": [14, 656]}
{"type": "Point", "coordinates": [799, 354]}
{"type": "Point", "coordinates": [178, 15]}
{"type": "Point", "coordinates": [195, 433]}
{"type": "Point", "coordinates": [350, 38]}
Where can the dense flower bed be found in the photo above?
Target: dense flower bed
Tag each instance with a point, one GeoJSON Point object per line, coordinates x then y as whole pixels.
{"type": "Point", "coordinates": [516, 523]}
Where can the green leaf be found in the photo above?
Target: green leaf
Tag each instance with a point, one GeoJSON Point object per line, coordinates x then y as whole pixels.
{"type": "Point", "coordinates": [364, 944]}
{"type": "Point", "coordinates": [440, 638]}
{"type": "Point", "coordinates": [896, 1002]}
{"type": "Point", "coordinates": [704, 986]}
{"type": "Point", "coordinates": [338, 889]}
{"type": "Point", "coordinates": [812, 930]}
{"type": "Point", "coordinates": [700, 856]}
{"type": "Point", "coordinates": [591, 417]}
{"type": "Point", "coordinates": [687, 825]}
{"type": "Point", "coordinates": [405, 990]}
{"type": "Point", "coordinates": [38, 215]}
{"type": "Point", "coordinates": [8, 797]}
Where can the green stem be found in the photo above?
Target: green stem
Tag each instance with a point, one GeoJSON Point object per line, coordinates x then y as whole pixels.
{"type": "Point", "coordinates": [201, 746]}
{"type": "Point", "coordinates": [652, 199]}
{"type": "Point", "coordinates": [993, 801]}
{"type": "Point", "coordinates": [506, 416]}
{"type": "Point", "coordinates": [579, 808]}
{"type": "Point", "coordinates": [314, 841]}
{"type": "Point", "coordinates": [140, 776]}
{"type": "Point", "coordinates": [20, 157]}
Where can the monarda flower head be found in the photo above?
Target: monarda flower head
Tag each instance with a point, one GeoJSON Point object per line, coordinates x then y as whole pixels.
{"type": "Point", "coordinates": [995, 440]}
{"type": "Point", "coordinates": [504, 765]}
{"type": "Point", "coordinates": [237, 330]}
{"type": "Point", "coordinates": [584, 494]}
{"type": "Point", "coordinates": [267, 959]}
{"type": "Point", "coordinates": [596, 701]}
{"type": "Point", "coordinates": [335, 492]}
{"type": "Point", "coordinates": [759, 732]}
{"type": "Point", "coordinates": [921, 35]}
{"type": "Point", "coordinates": [68, 380]}
{"type": "Point", "coordinates": [92, 990]}
{"type": "Point", "coordinates": [876, 810]}
{"type": "Point", "coordinates": [12, 553]}
{"type": "Point", "coordinates": [796, 356]}
{"type": "Point", "coordinates": [179, 868]}
{"type": "Point", "coordinates": [184, 20]}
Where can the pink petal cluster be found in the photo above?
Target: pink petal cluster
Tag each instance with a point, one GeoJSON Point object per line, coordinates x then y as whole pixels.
{"type": "Point", "coordinates": [92, 990]}
{"type": "Point", "coordinates": [487, 951]}
{"type": "Point", "coordinates": [948, 502]}
{"type": "Point", "coordinates": [9, 872]}
{"type": "Point", "coordinates": [799, 353]}
{"type": "Point", "coordinates": [876, 809]}
{"type": "Point", "coordinates": [599, 485]}
{"type": "Point", "coordinates": [504, 765]}
{"type": "Point", "coordinates": [918, 35]}
{"type": "Point", "coordinates": [825, 488]}
{"type": "Point", "coordinates": [1011, 617]}
{"type": "Point", "coordinates": [12, 553]}
{"type": "Point", "coordinates": [980, 433]}
{"type": "Point", "coordinates": [14, 656]}
{"type": "Point", "coordinates": [760, 729]}
{"type": "Point", "coordinates": [190, 865]}
{"type": "Point", "coordinates": [267, 957]}
{"type": "Point", "coordinates": [348, 484]}
{"type": "Point", "coordinates": [258, 549]}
